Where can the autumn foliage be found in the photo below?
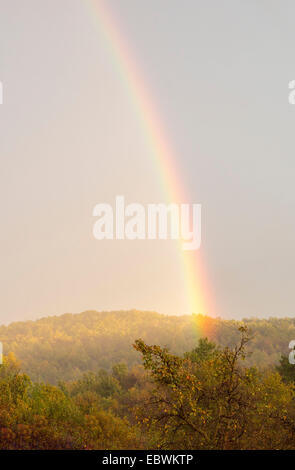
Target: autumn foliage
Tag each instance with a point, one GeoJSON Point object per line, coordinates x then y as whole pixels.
{"type": "Point", "coordinates": [209, 397]}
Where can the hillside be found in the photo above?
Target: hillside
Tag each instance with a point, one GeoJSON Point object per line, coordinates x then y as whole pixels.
{"type": "Point", "coordinates": [63, 347]}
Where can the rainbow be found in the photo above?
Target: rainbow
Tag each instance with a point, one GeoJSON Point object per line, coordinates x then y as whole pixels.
{"type": "Point", "coordinates": [194, 275]}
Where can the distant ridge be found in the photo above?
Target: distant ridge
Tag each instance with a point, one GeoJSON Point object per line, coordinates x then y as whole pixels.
{"type": "Point", "coordinates": [63, 347]}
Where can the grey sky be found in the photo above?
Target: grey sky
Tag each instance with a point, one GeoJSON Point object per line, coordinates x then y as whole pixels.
{"type": "Point", "coordinates": [218, 72]}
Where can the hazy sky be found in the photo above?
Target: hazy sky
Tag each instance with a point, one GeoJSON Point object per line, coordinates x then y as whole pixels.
{"type": "Point", "coordinates": [218, 72]}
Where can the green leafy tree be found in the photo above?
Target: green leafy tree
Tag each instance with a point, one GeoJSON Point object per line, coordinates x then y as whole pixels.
{"type": "Point", "coordinates": [212, 402]}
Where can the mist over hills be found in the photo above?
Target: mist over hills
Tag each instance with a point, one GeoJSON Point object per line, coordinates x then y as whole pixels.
{"type": "Point", "coordinates": [64, 347]}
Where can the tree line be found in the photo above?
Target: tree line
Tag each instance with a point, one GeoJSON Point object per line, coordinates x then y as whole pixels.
{"type": "Point", "coordinates": [205, 398]}
{"type": "Point", "coordinates": [64, 347]}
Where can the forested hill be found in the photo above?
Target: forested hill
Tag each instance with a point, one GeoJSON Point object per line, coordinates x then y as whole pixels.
{"type": "Point", "coordinates": [63, 347]}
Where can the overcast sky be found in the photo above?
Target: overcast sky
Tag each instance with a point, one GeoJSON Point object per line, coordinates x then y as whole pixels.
{"type": "Point", "coordinates": [218, 72]}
